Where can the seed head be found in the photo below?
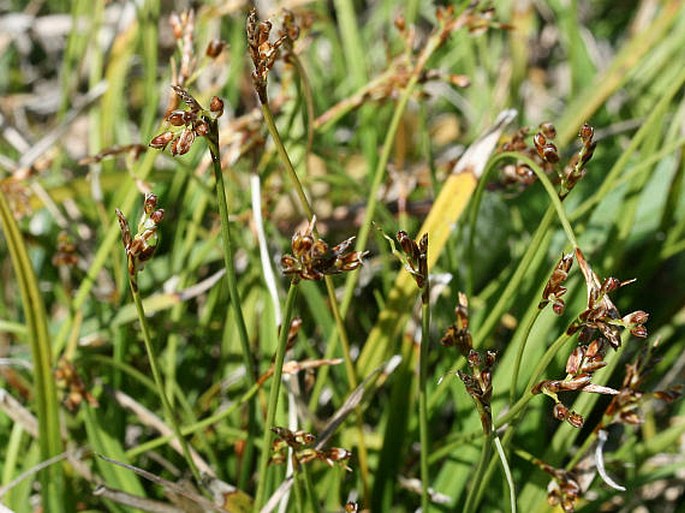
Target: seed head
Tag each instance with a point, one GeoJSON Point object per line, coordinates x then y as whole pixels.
{"type": "Point", "coordinates": [189, 123]}
{"type": "Point", "coordinates": [312, 258]}
{"type": "Point", "coordinates": [140, 247]}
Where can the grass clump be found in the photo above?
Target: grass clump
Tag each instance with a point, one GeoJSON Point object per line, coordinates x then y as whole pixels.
{"type": "Point", "coordinates": [484, 373]}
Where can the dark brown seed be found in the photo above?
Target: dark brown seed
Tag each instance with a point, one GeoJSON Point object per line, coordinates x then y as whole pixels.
{"type": "Point", "coordinates": [160, 141]}
{"type": "Point", "coordinates": [586, 132]}
{"type": "Point", "coordinates": [216, 106]}
{"type": "Point", "coordinates": [214, 48]}
{"type": "Point", "coordinates": [548, 130]}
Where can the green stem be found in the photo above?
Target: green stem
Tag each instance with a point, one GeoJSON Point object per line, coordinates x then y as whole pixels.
{"type": "Point", "coordinates": [507, 473]}
{"type": "Point", "coordinates": [309, 488]}
{"type": "Point", "coordinates": [423, 396]}
{"type": "Point", "coordinates": [471, 498]}
{"type": "Point", "coordinates": [519, 354]}
{"type": "Point", "coordinates": [330, 290]}
{"type": "Point", "coordinates": [273, 397]}
{"type": "Point", "coordinates": [285, 159]}
{"type": "Point", "coordinates": [232, 281]}
{"type": "Point", "coordinates": [158, 379]}
{"type": "Point", "coordinates": [551, 192]}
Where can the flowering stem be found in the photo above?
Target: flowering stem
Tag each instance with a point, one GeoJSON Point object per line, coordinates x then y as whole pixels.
{"type": "Point", "coordinates": [232, 281]}
{"type": "Point", "coordinates": [423, 395]}
{"type": "Point", "coordinates": [484, 460]}
{"type": "Point", "coordinates": [273, 396]}
{"type": "Point", "coordinates": [285, 159]}
{"type": "Point", "coordinates": [507, 472]}
{"type": "Point", "coordinates": [158, 379]}
{"type": "Point", "coordinates": [330, 290]}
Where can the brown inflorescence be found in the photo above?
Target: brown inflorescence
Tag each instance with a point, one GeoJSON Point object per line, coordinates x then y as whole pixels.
{"type": "Point", "coordinates": [600, 326]}
{"type": "Point", "coordinates": [625, 406]}
{"type": "Point", "coordinates": [69, 380]}
{"type": "Point", "coordinates": [564, 489]}
{"type": "Point", "coordinates": [575, 169]}
{"type": "Point", "coordinates": [417, 256]}
{"type": "Point", "coordinates": [546, 155]}
{"type": "Point", "coordinates": [479, 384]}
{"type": "Point", "coordinates": [312, 258]}
{"type": "Point", "coordinates": [601, 315]}
{"type": "Point", "coordinates": [264, 52]}
{"type": "Point", "coordinates": [554, 289]}
{"type": "Point", "coordinates": [302, 445]}
{"type": "Point", "coordinates": [458, 334]}
{"type": "Point", "coordinates": [188, 124]}
{"type": "Point", "coordinates": [141, 246]}
{"type": "Point", "coordinates": [66, 254]}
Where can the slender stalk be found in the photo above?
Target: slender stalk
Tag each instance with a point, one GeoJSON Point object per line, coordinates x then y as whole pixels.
{"type": "Point", "coordinates": [507, 472]}
{"type": "Point", "coordinates": [156, 374]}
{"type": "Point", "coordinates": [423, 397]}
{"type": "Point", "coordinates": [485, 452]}
{"type": "Point", "coordinates": [309, 488]}
{"type": "Point", "coordinates": [273, 397]}
{"type": "Point", "coordinates": [370, 210]}
{"type": "Point", "coordinates": [285, 159]}
{"type": "Point", "coordinates": [297, 486]}
{"type": "Point", "coordinates": [232, 281]}
{"type": "Point", "coordinates": [330, 290]}
{"type": "Point", "coordinates": [519, 354]}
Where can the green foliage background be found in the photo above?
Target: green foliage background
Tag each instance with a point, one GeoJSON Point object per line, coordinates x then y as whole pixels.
{"type": "Point", "coordinates": [79, 77]}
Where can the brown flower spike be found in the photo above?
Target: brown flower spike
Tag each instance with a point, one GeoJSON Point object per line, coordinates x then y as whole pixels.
{"type": "Point", "coordinates": [479, 384]}
{"type": "Point", "coordinates": [186, 125]}
{"type": "Point", "coordinates": [312, 258]}
{"type": "Point", "coordinates": [262, 51]}
{"type": "Point", "coordinates": [417, 257]}
{"type": "Point", "coordinates": [546, 155]}
{"type": "Point", "coordinates": [140, 247]}
{"type": "Point", "coordinates": [302, 444]}
{"type": "Point", "coordinates": [458, 334]}
{"type": "Point", "coordinates": [554, 289]}
{"type": "Point", "coordinates": [600, 326]}
{"type": "Point", "coordinates": [601, 314]}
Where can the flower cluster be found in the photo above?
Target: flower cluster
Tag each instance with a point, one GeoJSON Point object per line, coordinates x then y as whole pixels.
{"type": "Point", "coordinates": [601, 315]}
{"type": "Point", "coordinates": [580, 366]}
{"type": "Point", "coordinates": [417, 256]}
{"type": "Point", "coordinates": [312, 258]}
{"type": "Point", "coordinates": [563, 490]}
{"type": "Point", "coordinates": [66, 254]}
{"type": "Point", "coordinates": [575, 169]}
{"type": "Point", "coordinates": [600, 326]}
{"type": "Point", "coordinates": [69, 380]}
{"type": "Point", "coordinates": [262, 51]}
{"type": "Point", "coordinates": [520, 173]}
{"type": "Point", "coordinates": [624, 407]}
{"type": "Point", "coordinates": [458, 334]}
{"type": "Point", "coordinates": [140, 247]}
{"type": "Point", "coordinates": [187, 125]}
{"type": "Point", "coordinates": [302, 444]}
{"type": "Point", "coordinates": [479, 384]}
{"type": "Point", "coordinates": [554, 288]}
{"type": "Point", "coordinates": [546, 155]}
